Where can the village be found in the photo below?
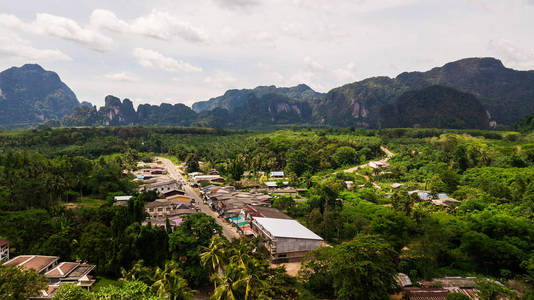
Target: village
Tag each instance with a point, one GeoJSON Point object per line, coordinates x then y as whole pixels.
{"type": "Point", "coordinates": [242, 213]}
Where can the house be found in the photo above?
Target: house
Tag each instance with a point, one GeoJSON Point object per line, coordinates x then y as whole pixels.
{"type": "Point", "coordinates": [209, 178]}
{"type": "Point", "coordinates": [438, 200]}
{"type": "Point", "coordinates": [71, 273]}
{"type": "Point", "coordinates": [75, 273]}
{"type": "Point", "coordinates": [285, 191]}
{"type": "Point", "coordinates": [39, 263]}
{"type": "Point", "coordinates": [397, 185]}
{"type": "Point", "coordinates": [286, 239]}
{"type": "Point", "coordinates": [173, 193]}
{"type": "Point", "coordinates": [420, 293]}
{"type": "Point", "coordinates": [4, 250]}
{"type": "Point", "coordinates": [161, 209]}
{"type": "Point", "coordinates": [277, 174]}
{"type": "Point", "coordinates": [250, 211]}
{"type": "Point", "coordinates": [162, 186]}
{"type": "Point", "coordinates": [121, 200]}
{"type": "Point", "coordinates": [229, 202]}
{"type": "Point", "coordinates": [377, 164]}
{"type": "Point", "coordinates": [271, 184]}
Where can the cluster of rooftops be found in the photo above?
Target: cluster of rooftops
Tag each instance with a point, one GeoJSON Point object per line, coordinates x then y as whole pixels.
{"type": "Point", "coordinates": [59, 273]}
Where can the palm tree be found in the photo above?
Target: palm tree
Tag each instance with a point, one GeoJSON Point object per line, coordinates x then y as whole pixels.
{"type": "Point", "coordinates": [169, 284]}
{"type": "Point", "coordinates": [215, 255]}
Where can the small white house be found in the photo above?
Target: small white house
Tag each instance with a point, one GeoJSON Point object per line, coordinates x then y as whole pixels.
{"type": "Point", "coordinates": [4, 250]}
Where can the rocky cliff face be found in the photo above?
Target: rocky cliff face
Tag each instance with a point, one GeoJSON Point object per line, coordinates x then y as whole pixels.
{"type": "Point", "coordinates": [30, 95]}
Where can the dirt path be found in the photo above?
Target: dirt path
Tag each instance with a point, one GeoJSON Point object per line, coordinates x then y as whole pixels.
{"type": "Point", "coordinates": [389, 154]}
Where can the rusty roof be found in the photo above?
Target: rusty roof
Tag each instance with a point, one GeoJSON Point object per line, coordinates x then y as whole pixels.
{"type": "Point", "coordinates": [3, 242]}
{"type": "Point", "coordinates": [36, 262]}
{"type": "Point", "coordinates": [417, 293]}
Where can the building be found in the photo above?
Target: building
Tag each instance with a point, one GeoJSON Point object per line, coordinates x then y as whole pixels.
{"type": "Point", "coordinates": [71, 273]}
{"type": "Point", "coordinates": [162, 186]}
{"type": "Point", "coordinates": [437, 199]}
{"type": "Point", "coordinates": [121, 200]}
{"type": "Point", "coordinates": [229, 202]}
{"type": "Point", "coordinates": [162, 209]}
{"type": "Point", "coordinates": [39, 263]}
{"type": "Point", "coordinates": [75, 273]}
{"type": "Point", "coordinates": [277, 174]}
{"type": "Point", "coordinates": [287, 240]}
{"type": "Point", "coordinates": [4, 250]}
{"type": "Point", "coordinates": [207, 178]}
{"type": "Point", "coordinates": [256, 211]}
{"type": "Point", "coordinates": [377, 164]}
{"type": "Point", "coordinates": [271, 184]}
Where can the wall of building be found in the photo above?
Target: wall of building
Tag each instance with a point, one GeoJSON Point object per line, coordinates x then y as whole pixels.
{"type": "Point", "coordinates": [284, 245]}
{"type": "Point", "coordinates": [4, 253]}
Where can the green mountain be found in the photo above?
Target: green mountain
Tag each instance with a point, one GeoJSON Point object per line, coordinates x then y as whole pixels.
{"type": "Point", "coordinates": [507, 94]}
{"type": "Point", "coordinates": [30, 95]}
{"type": "Point", "coordinates": [233, 99]}
{"type": "Point", "coordinates": [266, 111]}
{"type": "Point", "coordinates": [434, 107]}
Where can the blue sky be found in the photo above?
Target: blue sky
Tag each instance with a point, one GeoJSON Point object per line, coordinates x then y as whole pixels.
{"type": "Point", "coordinates": [186, 51]}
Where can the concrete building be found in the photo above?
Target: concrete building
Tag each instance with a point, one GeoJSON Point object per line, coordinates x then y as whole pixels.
{"type": "Point", "coordinates": [287, 240]}
{"type": "Point", "coordinates": [161, 209]}
{"type": "Point", "coordinates": [4, 250]}
{"type": "Point", "coordinates": [162, 186]}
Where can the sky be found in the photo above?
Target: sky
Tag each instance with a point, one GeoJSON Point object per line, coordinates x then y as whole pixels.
{"type": "Point", "coordinates": [183, 51]}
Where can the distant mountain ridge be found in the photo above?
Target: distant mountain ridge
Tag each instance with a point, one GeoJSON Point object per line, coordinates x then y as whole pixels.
{"type": "Point", "coordinates": [30, 95]}
{"type": "Point", "coordinates": [506, 94]}
{"type": "Point", "coordinates": [233, 99]}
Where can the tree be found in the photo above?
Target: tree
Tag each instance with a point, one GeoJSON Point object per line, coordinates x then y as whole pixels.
{"type": "Point", "coordinates": [71, 292]}
{"type": "Point", "coordinates": [16, 283]}
{"type": "Point", "coordinates": [95, 244]}
{"type": "Point", "coordinates": [345, 156]}
{"type": "Point", "coordinates": [297, 162]}
{"type": "Point", "coordinates": [168, 283]}
{"type": "Point", "coordinates": [236, 169]}
{"type": "Point", "coordinates": [492, 290]}
{"type": "Point", "coordinates": [215, 255]}
{"type": "Point", "coordinates": [191, 162]}
{"type": "Point", "coordinates": [403, 202]}
{"type": "Point", "coordinates": [371, 271]}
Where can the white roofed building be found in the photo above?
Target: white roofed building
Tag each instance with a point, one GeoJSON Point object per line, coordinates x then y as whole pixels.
{"type": "Point", "coordinates": [286, 239]}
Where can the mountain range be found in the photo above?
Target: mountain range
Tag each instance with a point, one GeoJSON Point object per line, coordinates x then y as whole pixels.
{"type": "Point", "coordinates": [468, 93]}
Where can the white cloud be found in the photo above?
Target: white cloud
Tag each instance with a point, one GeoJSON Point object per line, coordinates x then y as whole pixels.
{"type": "Point", "coordinates": [13, 46]}
{"type": "Point", "coordinates": [312, 65]}
{"type": "Point", "coordinates": [158, 24]}
{"type": "Point", "coordinates": [60, 27]}
{"type": "Point", "coordinates": [155, 60]}
{"type": "Point", "coordinates": [512, 54]}
{"type": "Point", "coordinates": [236, 4]}
{"type": "Point", "coordinates": [346, 73]}
{"type": "Point", "coordinates": [122, 76]}
{"type": "Point", "coordinates": [221, 80]}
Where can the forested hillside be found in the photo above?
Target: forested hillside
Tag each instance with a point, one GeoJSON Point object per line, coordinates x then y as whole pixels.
{"type": "Point", "coordinates": [64, 194]}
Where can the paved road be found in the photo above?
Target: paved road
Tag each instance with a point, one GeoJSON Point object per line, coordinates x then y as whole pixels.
{"type": "Point", "coordinates": [229, 231]}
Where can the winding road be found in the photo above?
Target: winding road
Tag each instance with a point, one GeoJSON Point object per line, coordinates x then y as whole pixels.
{"type": "Point", "coordinates": [228, 230]}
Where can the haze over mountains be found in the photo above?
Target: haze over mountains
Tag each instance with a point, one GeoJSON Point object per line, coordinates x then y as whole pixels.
{"type": "Point", "coordinates": [469, 93]}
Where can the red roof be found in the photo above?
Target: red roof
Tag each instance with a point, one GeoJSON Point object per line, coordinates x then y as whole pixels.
{"type": "Point", "coordinates": [62, 270]}
{"type": "Point", "coordinates": [3, 242]}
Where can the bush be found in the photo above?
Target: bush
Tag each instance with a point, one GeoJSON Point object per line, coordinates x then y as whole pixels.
{"type": "Point", "coordinates": [457, 296]}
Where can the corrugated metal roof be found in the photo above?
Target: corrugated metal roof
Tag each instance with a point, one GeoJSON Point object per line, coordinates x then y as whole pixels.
{"type": "Point", "coordinates": [287, 229]}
